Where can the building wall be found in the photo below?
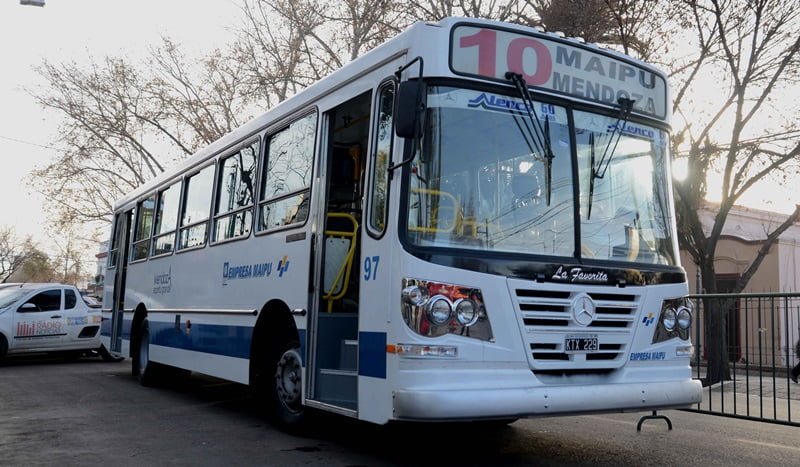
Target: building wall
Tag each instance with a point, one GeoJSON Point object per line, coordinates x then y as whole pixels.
{"type": "Point", "coordinates": [765, 327]}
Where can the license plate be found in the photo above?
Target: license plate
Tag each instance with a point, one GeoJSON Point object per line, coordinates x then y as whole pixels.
{"type": "Point", "coordinates": [581, 344]}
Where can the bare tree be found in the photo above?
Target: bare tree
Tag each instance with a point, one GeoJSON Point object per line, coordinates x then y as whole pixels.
{"type": "Point", "coordinates": [501, 10]}
{"type": "Point", "coordinates": [13, 252]}
{"type": "Point", "coordinates": [285, 45]}
{"type": "Point", "coordinates": [750, 48]}
{"type": "Point", "coordinates": [123, 122]}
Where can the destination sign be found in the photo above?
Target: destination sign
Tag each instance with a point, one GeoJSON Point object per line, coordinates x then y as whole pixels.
{"type": "Point", "coordinates": [553, 65]}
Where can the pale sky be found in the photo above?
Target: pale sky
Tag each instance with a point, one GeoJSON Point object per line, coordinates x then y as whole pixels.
{"type": "Point", "coordinates": [66, 30]}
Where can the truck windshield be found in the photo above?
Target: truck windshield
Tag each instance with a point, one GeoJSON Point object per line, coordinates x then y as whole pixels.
{"type": "Point", "coordinates": [479, 182]}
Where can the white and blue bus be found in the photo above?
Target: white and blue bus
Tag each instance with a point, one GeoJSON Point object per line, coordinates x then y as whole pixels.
{"type": "Point", "coordinates": [473, 221]}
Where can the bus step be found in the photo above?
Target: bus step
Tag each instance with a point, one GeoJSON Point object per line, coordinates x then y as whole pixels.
{"type": "Point", "coordinates": [337, 387]}
{"type": "Point", "coordinates": [348, 355]}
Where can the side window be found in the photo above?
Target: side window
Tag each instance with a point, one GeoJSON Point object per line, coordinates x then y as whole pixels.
{"type": "Point", "coordinates": [49, 300]}
{"type": "Point", "coordinates": [113, 250]}
{"type": "Point", "coordinates": [286, 175]}
{"type": "Point", "coordinates": [196, 207]}
{"type": "Point", "coordinates": [69, 299]}
{"type": "Point", "coordinates": [166, 220]}
{"type": "Point", "coordinates": [381, 159]}
{"type": "Point", "coordinates": [233, 215]}
{"type": "Point", "coordinates": [144, 228]}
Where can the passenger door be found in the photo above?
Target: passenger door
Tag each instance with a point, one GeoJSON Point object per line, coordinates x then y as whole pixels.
{"type": "Point", "coordinates": [39, 322]}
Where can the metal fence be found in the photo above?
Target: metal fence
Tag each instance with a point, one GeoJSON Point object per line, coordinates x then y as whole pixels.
{"type": "Point", "coordinates": [751, 344]}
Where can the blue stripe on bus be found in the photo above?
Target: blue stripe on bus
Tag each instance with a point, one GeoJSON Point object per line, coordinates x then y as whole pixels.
{"type": "Point", "coordinates": [372, 354]}
{"type": "Point", "coordinates": [228, 341]}
{"type": "Point", "coordinates": [105, 328]}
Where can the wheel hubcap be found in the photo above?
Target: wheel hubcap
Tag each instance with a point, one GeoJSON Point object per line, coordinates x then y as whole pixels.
{"type": "Point", "coordinates": [288, 380]}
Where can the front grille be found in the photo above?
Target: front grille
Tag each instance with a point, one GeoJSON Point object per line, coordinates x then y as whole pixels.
{"type": "Point", "coordinates": [547, 320]}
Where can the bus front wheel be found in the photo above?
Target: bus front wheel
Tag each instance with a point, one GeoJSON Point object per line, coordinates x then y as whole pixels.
{"type": "Point", "coordinates": [288, 386]}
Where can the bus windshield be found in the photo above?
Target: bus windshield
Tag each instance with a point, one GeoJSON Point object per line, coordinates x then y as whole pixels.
{"type": "Point", "coordinates": [482, 180]}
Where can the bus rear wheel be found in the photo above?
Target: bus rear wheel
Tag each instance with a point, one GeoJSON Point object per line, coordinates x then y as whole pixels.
{"type": "Point", "coordinates": [287, 403]}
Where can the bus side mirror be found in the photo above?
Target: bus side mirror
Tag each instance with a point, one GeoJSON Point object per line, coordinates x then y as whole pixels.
{"type": "Point", "coordinates": [410, 106]}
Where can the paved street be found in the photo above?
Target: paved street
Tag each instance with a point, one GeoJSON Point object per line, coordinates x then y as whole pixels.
{"type": "Point", "coordinates": [93, 413]}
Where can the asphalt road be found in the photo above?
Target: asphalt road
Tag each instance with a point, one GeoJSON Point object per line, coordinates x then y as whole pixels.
{"type": "Point", "coordinates": [94, 413]}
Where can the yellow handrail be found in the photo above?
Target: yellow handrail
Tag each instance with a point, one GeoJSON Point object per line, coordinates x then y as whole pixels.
{"type": "Point", "coordinates": [456, 212]}
{"type": "Point", "coordinates": [343, 275]}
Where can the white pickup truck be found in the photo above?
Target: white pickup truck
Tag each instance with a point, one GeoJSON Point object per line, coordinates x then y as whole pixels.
{"type": "Point", "coordinates": [49, 318]}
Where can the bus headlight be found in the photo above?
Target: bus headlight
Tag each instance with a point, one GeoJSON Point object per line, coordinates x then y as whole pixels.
{"type": "Point", "coordinates": [415, 295]}
{"type": "Point", "coordinates": [675, 320]}
{"type": "Point", "coordinates": [668, 318]}
{"type": "Point", "coordinates": [439, 310]}
{"type": "Point", "coordinates": [684, 317]}
{"type": "Point", "coordinates": [466, 312]}
{"type": "Point", "coordinates": [434, 309]}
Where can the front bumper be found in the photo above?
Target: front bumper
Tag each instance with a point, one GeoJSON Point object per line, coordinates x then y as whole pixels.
{"type": "Point", "coordinates": [449, 404]}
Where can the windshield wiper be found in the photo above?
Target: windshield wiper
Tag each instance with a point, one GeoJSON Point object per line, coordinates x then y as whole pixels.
{"type": "Point", "coordinates": [600, 168]}
{"type": "Point", "coordinates": [625, 107]}
{"type": "Point", "coordinates": [539, 135]}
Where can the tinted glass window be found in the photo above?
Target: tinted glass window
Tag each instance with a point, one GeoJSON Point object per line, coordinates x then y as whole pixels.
{"type": "Point", "coordinates": [144, 225]}
{"type": "Point", "coordinates": [196, 208]}
{"type": "Point", "coordinates": [166, 219]}
{"type": "Point", "coordinates": [381, 159]}
{"type": "Point", "coordinates": [69, 299]}
{"type": "Point", "coordinates": [49, 300]}
{"type": "Point", "coordinates": [289, 163]}
{"type": "Point", "coordinates": [235, 194]}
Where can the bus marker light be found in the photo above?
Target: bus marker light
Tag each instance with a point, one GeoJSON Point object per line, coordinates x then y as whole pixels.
{"type": "Point", "coordinates": [417, 350]}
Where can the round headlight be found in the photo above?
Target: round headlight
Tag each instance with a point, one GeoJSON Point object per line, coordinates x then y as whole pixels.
{"type": "Point", "coordinates": [669, 318]}
{"type": "Point", "coordinates": [415, 295]}
{"type": "Point", "coordinates": [439, 310]}
{"type": "Point", "coordinates": [684, 317]}
{"type": "Point", "coordinates": [466, 312]}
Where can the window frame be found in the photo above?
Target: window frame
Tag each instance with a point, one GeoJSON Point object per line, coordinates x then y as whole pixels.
{"type": "Point", "coordinates": [27, 300]}
{"type": "Point", "coordinates": [149, 235]}
{"type": "Point", "coordinates": [113, 246]}
{"type": "Point", "coordinates": [174, 232]}
{"type": "Point", "coordinates": [260, 203]}
{"type": "Point", "coordinates": [373, 160]}
{"type": "Point", "coordinates": [184, 193]}
{"type": "Point", "coordinates": [64, 299]}
{"type": "Point", "coordinates": [216, 216]}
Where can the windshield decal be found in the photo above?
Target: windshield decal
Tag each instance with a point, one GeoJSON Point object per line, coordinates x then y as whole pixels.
{"type": "Point", "coordinates": [633, 130]}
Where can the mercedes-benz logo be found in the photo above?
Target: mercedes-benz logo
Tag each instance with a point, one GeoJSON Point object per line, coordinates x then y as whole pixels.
{"type": "Point", "coordinates": [583, 309]}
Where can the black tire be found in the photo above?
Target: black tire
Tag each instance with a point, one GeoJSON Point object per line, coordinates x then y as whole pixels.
{"type": "Point", "coordinates": [286, 388]}
{"type": "Point", "coordinates": [108, 356]}
{"type": "Point", "coordinates": [146, 371]}
{"type": "Point", "coordinates": [3, 347]}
